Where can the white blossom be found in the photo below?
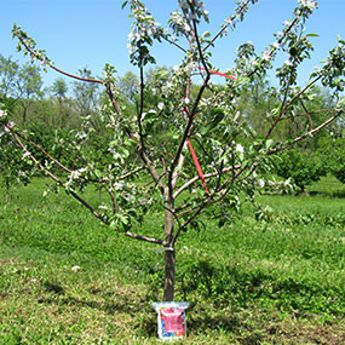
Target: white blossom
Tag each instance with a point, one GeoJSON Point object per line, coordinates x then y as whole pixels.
{"type": "Point", "coordinates": [261, 183]}
{"type": "Point", "coordinates": [130, 48]}
{"type": "Point", "coordinates": [288, 63]}
{"type": "Point", "coordinates": [75, 174]}
{"type": "Point", "coordinates": [9, 126]}
{"type": "Point", "coordinates": [266, 56]}
{"type": "Point", "coordinates": [81, 135]}
{"type": "Point", "coordinates": [228, 21]}
{"type": "Point", "coordinates": [26, 154]}
{"type": "Point", "coordinates": [75, 268]}
{"type": "Point", "coordinates": [186, 27]}
{"type": "Point", "coordinates": [3, 113]}
{"type": "Point", "coordinates": [160, 106]}
{"type": "Point", "coordinates": [239, 148]}
{"type": "Point", "coordinates": [118, 186]}
{"type": "Point", "coordinates": [310, 4]}
{"type": "Point", "coordinates": [254, 62]}
{"type": "Point", "coordinates": [276, 45]}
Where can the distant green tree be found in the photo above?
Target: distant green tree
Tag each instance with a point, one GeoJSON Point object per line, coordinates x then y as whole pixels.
{"type": "Point", "coordinates": [332, 153]}
{"type": "Point", "coordinates": [9, 90]}
{"type": "Point", "coordinates": [303, 168]}
{"type": "Point", "coordinates": [86, 94]}
{"type": "Point", "coordinates": [256, 101]}
{"type": "Point", "coordinates": [129, 86]}
{"type": "Point", "coordinates": [30, 86]}
{"type": "Point", "coordinates": [59, 90]}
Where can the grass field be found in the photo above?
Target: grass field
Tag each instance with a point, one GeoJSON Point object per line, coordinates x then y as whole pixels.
{"type": "Point", "coordinates": [66, 279]}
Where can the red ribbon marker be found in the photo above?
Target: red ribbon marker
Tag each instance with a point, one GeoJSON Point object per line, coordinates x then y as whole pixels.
{"type": "Point", "coordinates": [212, 71]}
{"type": "Point", "coordinates": [190, 146]}
{"type": "Point", "coordinates": [197, 165]}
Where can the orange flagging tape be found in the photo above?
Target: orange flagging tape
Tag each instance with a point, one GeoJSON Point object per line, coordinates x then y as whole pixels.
{"type": "Point", "coordinates": [190, 146]}
{"type": "Point", "coordinates": [197, 165]}
{"type": "Point", "coordinates": [228, 76]}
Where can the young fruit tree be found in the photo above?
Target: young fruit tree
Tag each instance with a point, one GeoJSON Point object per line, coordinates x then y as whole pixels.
{"type": "Point", "coordinates": [191, 149]}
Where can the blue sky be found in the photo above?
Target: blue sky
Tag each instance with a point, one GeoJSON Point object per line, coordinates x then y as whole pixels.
{"type": "Point", "coordinates": [78, 33]}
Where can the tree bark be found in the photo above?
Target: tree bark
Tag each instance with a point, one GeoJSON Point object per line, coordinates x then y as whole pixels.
{"type": "Point", "coordinates": [169, 283]}
{"type": "Point", "coordinates": [25, 115]}
{"type": "Point", "coordinates": [170, 260]}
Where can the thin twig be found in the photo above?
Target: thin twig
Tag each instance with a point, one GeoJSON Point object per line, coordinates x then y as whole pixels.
{"type": "Point", "coordinates": [40, 58]}
{"type": "Point", "coordinates": [142, 149]}
{"type": "Point", "coordinates": [193, 180]}
{"type": "Point", "coordinates": [39, 148]}
{"type": "Point", "coordinates": [193, 112]}
{"type": "Point", "coordinates": [76, 196]}
{"type": "Point", "coordinates": [285, 109]}
{"type": "Point", "coordinates": [280, 146]}
{"type": "Point", "coordinates": [225, 27]}
{"type": "Point", "coordinates": [307, 114]}
{"type": "Point", "coordinates": [144, 238]}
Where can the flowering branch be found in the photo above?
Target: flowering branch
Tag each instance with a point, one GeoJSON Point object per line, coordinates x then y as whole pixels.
{"type": "Point", "coordinates": [231, 21]}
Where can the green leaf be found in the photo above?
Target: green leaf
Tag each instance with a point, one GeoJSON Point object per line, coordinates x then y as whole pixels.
{"type": "Point", "coordinates": [312, 35]}
{"type": "Point", "coordinates": [124, 4]}
{"type": "Point", "coordinates": [98, 173]}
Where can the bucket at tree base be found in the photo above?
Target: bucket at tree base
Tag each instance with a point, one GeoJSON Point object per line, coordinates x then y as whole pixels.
{"type": "Point", "coordinates": [171, 319]}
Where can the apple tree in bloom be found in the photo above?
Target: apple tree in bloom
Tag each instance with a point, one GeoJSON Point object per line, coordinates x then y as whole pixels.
{"type": "Point", "coordinates": [195, 151]}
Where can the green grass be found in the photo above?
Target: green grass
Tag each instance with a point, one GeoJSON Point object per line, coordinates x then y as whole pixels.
{"type": "Point", "coordinates": [279, 281]}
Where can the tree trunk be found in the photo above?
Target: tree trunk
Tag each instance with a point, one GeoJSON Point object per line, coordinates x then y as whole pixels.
{"type": "Point", "coordinates": [25, 115]}
{"type": "Point", "coordinates": [170, 260]}
{"type": "Point", "coordinates": [169, 283]}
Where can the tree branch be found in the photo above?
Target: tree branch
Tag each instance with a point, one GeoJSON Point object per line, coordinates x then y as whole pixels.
{"type": "Point", "coordinates": [197, 178]}
{"type": "Point", "coordinates": [76, 196]}
{"type": "Point", "coordinates": [191, 114]}
{"type": "Point", "coordinates": [70, 75]}
{"type": "Point", "coordinates": [281, 146]}
{"type": "Point", "coordinates": [43, 61]}
{"type": "Point", "coordinates": [143, 238]}
{"type": "Point", "coordinates": [190, 219]}
{"type": "Point", "coordinates": [288, 105]}
{"type": "Point", "coordinates": [174, 43]}
{"type": "Point", "coordinates": [280, 42]}
{"type": "Point", "coordinates": [142, 149]}
{"type": "Point", "coordinates": [39, 148]}
{"type": "Point", "coordinates": [228, 23]}
{"type": "Point", "coordinates": [59, 181]}
{"type": "Point", "coordinates": [307, 114]}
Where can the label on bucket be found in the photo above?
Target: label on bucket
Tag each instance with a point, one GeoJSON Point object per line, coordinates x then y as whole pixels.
{"type": "Point", "coordinates": [171, 319]}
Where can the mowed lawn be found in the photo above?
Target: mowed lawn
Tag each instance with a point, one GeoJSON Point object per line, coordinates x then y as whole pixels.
{"type": "Point", "coordinates": [66, 279]}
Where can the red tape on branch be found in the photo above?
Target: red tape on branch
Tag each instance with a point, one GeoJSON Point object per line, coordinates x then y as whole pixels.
{"type": "Point", "coordinates": [228, 76]}
{"type": "Point", "coordinates": [197, 165]}
{"type": "Point", "coordinates": [190, 146]}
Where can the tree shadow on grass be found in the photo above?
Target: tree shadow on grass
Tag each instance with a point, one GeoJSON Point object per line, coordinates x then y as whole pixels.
{"type": "Point", "coordinates": [55, 293]}
{"type": "Point", "coordinates": [110, 308]}
{"type": "Point", "coordinates": [224, 298]}
{"type": "Point", "coordinates": [222, 320]}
